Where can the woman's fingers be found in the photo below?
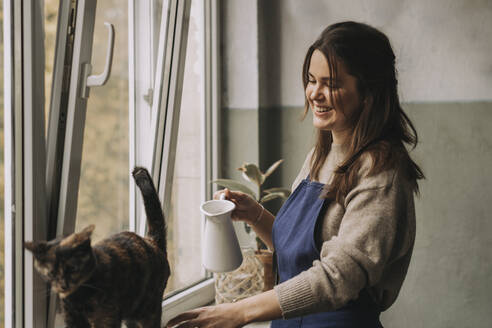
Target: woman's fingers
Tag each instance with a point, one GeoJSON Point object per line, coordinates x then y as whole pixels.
{"type": "Point", "coordinates": [217, 194]}
{"type": "Point", "coordinates": [245, 204]}
{"type": "Point", "coordinates": [229, 195]}
{"type": "Point", "coordinates": [189, 324]}
{"type": "Point", "coordinates": [185, 316]}
{"type": "Point", "coordinates": [219, 316]}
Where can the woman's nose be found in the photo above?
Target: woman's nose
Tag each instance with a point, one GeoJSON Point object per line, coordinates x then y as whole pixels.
{"type": "Point", "coordinates": [316, 93]}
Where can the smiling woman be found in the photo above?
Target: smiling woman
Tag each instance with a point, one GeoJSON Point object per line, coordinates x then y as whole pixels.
{"type": "Point", "coordinates": [344, 238]}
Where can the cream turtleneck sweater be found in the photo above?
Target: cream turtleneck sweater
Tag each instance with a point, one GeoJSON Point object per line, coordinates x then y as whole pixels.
{"type": "Point", "coordinates": [366, 243]}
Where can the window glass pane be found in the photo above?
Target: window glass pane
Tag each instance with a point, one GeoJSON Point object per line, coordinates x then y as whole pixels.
{"type": "Point", "coordinates": [50, 25]}
{"type": "Point", "coordinates": [185, 220]}
{"type": "Point", "coordinates": [157, 21]}
{"type": "Point", "coordinates": [2, 178]}
{"type": "Point", "coordinates": [103, 192]}
{"type": "Point", "coordinates": [103, 189]}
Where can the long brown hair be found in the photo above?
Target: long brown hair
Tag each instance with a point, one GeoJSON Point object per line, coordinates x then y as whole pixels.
{"type": "Point", "coordinates": [380, 127]}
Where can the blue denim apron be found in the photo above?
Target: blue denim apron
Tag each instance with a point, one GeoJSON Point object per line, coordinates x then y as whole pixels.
{"type": "Point", "coordinates": [293, 237]}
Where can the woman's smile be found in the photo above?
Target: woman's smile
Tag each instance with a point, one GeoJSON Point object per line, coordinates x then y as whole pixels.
{"type": "Point", "coordinates": [321, 109]}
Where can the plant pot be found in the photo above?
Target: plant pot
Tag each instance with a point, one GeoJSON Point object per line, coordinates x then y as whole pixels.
{"type": "Point", "coordinates": [266, 258]}
{"type": "Point", "coordinates": [241, 283]}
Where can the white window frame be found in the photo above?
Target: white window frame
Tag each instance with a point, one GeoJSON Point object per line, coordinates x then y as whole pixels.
{"type": "Point", "coordinates": [164, 118]}
{"type": "Point", "coordinates": [69, 100]}
{"type": "Point", "coordinates": [31, 185]}
{"type": "Point", "coordinates": [31, 189]}
{"type": "Point", "coordinates": [142, 50]}
{"type": "Point", "coordinates": [25, 198]}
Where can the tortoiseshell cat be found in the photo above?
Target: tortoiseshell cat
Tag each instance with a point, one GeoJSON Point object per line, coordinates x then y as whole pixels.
{"type": "Point", "coordinates": [121, 278]}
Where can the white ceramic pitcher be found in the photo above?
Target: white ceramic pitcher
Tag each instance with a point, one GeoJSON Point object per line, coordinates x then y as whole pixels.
{"type": "Point", "coordinates": [220, 251]}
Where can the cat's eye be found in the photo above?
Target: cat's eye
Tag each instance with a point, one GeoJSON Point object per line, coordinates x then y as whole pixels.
{"type": "Point", "coordinates": [71, 267]}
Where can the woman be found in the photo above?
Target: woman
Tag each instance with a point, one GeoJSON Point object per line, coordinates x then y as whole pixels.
{"type": "Point", "coordinates": [344, 238]}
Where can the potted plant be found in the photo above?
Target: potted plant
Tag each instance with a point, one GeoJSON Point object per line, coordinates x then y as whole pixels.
{"type": "Point", "coordinates": [263, 256]}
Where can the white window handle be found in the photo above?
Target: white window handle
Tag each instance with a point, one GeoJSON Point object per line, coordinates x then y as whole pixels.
{"type": "Point", "coordinates": [101, 79]}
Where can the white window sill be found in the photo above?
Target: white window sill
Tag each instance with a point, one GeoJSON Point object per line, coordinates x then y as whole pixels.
{"type": "Point", "coordinates": [196, 296]}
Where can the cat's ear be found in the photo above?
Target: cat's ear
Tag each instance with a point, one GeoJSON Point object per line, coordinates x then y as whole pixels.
{"type": "Point", "coordinates": [38, 248]}
{"type": "Point", "coordinates": [84, 236]}
{"type": "Point", "coordinates": [78, 239]}
{"type": "Point", "coordinates": [87, 231]}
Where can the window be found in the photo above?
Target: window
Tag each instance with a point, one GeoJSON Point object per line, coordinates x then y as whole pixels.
{"type": "Point", "coordinates": [187, 192]}
{"type": "Point", "coordinates": [2, 184]}
{"type": "Point", "coordinates": [182, 127]}
{"type": "Point", "coordinates": [104, 175]}
{"type": "Point", "coordinates": [78, 170]}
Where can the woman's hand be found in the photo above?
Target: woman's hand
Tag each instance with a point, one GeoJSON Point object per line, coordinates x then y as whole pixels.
{"type": "Point", "coordinates": [247, 209]}
{"type": "Point", "coordinates": [261, 307]}
{"type": "Point", "coordinates": [219, 316]}
{"type": "Point", "coordinates": [250, 211]}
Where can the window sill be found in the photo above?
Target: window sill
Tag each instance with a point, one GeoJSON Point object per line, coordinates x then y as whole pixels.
{"type": "Point", "coordinates": [199, 295]}
{"type": "Point", "coordinates": [196, 296]}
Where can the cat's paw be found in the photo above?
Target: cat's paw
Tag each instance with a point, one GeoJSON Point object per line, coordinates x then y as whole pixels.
{"type": "Point", "coordinates": [142, 177]}
{"type": "Point", "coordinates": [140, 172]}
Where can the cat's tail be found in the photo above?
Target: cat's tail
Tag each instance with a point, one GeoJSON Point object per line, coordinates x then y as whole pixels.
{"type": "Point", "coordinates": [155, 216]}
